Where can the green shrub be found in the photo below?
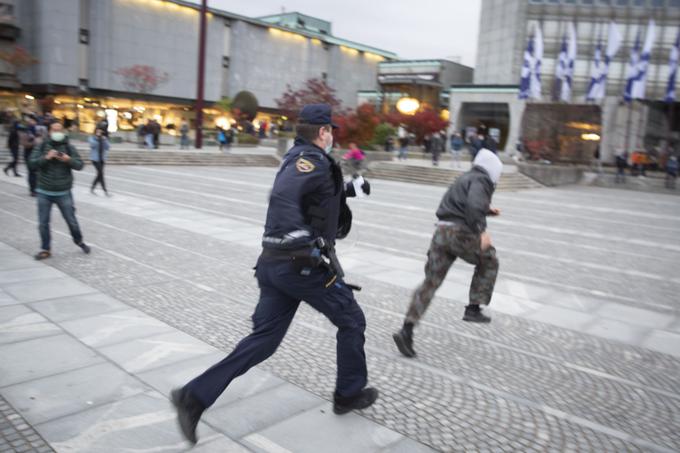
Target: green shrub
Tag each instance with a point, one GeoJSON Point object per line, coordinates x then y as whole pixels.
{"type": "Point", "coordinates": [382, 131]}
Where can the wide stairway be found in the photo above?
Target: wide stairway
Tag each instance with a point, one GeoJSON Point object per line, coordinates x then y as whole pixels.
{"type": "Point", "coordinates": [160, 157]}
{"type": "Point", "coordinates": [441, 176]}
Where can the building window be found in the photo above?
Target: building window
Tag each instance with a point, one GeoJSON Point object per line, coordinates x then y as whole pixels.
{"type": "Point", "coordinates": [674, 3]}
{"type": "Point", "coordinates": [604, 2]}
{"type": "Point", "coordinates": [6, 10]}
{"type": "Point", "coordinates": [324, 76]}
{"type": "Point", "coordinates": [587, 2]}
{"type": "Point", "coordinates": [639, 3]}
{"type": "Point", "coordinates": [84, 36]}
{"type": "Point", "coordinates": [658, 3]}
{"type": "Point", "coordinates": [225, 62]}
{"type": "Point", "coordinates": [622, 2]}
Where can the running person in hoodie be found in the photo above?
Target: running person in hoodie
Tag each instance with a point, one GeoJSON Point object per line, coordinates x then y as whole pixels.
{"type": "Point", "coordinates": [461, 232]}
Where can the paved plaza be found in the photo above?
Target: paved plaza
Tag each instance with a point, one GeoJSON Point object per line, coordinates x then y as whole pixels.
{"type": "Point", "coordinates": [583, 353]}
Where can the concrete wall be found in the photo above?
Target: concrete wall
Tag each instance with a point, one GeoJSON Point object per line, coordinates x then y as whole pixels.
{"type": "Point", "coordinates": [265, 62]}
{"type": "Point", "coordinates": [49, 31]}
{"type": "Point", "coordinates": [164, 35]}
{"type": "Point", "coordinates": [501, 43]}
{"type": "Point", "coordinates": [129, 32]}
{"type": "Point", "coordinates": [552, 175]}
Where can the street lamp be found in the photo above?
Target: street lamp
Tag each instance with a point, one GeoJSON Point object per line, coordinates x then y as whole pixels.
{"type": "Point", "coordinates": [408, 106]}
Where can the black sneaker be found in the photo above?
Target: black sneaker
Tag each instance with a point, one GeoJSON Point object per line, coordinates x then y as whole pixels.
{"type": "Point", "coordinates": [342, 404]}
{"type": "Point", "coordinates": [85, 247]}
{"type": "Point", "coordinates": [188, 413]}
{"type": "Point", "coordinates": [404, 340]}
{"type": "Point", "coordinates": [474, 314]}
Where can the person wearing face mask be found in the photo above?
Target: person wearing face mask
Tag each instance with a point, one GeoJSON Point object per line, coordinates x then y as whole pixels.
{"type": "Point", "coordinates": [307, 212]}
{"type": "Point", "coordinates": [54, 161]}
{"type": "Point", "coordinates": [460, 232]}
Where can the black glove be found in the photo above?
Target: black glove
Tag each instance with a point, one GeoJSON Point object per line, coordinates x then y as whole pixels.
{"type": "Point", "coordinates": [366, 187]}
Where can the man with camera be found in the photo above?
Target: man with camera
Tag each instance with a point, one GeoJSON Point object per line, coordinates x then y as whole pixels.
{"type": "Point", "coordinates": [307, 212]}
{"type": "Point", "coordinates": [54, 160]}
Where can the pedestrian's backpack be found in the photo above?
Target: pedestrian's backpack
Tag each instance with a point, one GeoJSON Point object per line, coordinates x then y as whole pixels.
{"type": "Point", "coordinates": [221, 137]}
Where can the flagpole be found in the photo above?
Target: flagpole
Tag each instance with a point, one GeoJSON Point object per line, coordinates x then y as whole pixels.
{"type": "Point", "coordinates": [629, 123]}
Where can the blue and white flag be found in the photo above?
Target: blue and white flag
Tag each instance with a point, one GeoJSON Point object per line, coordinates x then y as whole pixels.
{"type": "Point", "coordinates": [673, 67]}
{"type": "Point", "coordinates": [600, 70]}
{"type": "Point", "coordinates": [636, 77]}
{"type": "Point", "coordinates": [565, 66]}
{"type": "Point", "coordinates": [530, 81]}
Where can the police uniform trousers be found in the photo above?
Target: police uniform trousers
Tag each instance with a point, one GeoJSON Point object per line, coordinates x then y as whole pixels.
{"type": "Point", "coordinates": [449, 242]}
{"type": "Point", "coordinates": [282, 288]}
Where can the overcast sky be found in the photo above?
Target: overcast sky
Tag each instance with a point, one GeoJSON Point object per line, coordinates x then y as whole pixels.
{"type": "Point", "coordinates": [411, 29]}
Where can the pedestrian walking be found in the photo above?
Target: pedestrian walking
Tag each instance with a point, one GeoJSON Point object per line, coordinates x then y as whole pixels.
{"type": "Point", "coordinates": [671, 172]}
{"type": "Point", "coordinates": [156, 131]}
{"type": "Point", "coordinates": [103, 125]}
{"type": "Point", "coordinates": [436, 147]}
{"type": "Point", "coordinates": [221, 138]}
{"type": "Point", "coordinates": [184, 135]}
{"type": "Point", "coordinates": [460, 232]}
{"type": "Point", "coordinates": [54, 161]}
{"type": "Point", "coordinates": [99, 153]}
{"type": "Point", "coordinates": [354, 158]}
{"type": "Point", "coordinates": [149, 134]}
{"type": "Point", "coordinates": [456, 148]}
{"type": "Point", "coordinates": [27, 134]}
{"type": "Point", "coordinates": [13, 146]}
{"type": "Point", "coordinates": [621, 164]}
{"type": "Point", "coordinates": [307, 212]}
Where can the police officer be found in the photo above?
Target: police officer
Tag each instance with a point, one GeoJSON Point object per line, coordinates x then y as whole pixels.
{"type": "Point", "coordinates": [307, 212]}
{"type": "Point", "coordinates": [461, 232]}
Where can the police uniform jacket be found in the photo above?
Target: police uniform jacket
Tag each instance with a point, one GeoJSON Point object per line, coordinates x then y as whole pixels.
{"type": "Point", "coordinates": [308, 200]}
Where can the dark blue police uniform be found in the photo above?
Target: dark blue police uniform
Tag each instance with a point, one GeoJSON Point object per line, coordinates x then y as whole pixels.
{"type": "Point", "coordinates": [307, 201]}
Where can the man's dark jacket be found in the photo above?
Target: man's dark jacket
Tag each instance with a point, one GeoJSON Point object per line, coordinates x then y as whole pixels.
{"type": "Point", "coordinates": [468, 200]}
{"type": "Point", "coordinates": [55, 175]}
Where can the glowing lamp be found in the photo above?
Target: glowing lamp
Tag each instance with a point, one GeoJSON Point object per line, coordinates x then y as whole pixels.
{"type": "Point", "coordinates": [408, 106]}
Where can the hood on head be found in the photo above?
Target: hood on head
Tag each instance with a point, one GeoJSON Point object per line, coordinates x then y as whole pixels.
{"type": "Point", "coordinates": [490, 162]}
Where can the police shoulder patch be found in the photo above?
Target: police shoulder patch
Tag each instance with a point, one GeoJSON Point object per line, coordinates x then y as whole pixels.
{"type": "Point", "coordinates": [304, 166]}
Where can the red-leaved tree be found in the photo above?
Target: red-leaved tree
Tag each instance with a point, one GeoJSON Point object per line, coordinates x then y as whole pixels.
{"type": "Point", "coordinates": [142, 78]}
{"type": "Point", "coordinates": [313, 91]}
{"type": "Point", "coordinates": [423, 122]}
{"type": "Point", "coordinates": [18, 57]}
{"type": "Point", "coordinates": [357, 126]}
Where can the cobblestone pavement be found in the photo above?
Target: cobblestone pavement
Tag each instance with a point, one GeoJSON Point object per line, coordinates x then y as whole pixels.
{"type": "Point", "coordinates": [16, 436]}
{"type": "Point", "coordinates": [583, 353]}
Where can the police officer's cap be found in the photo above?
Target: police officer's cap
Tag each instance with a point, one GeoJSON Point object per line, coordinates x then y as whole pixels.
{"type": "Point", "coordinates": [316, 114]}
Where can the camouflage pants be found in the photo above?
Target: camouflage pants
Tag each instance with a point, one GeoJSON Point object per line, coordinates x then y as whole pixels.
{"type": "Point", "coordinates": [448, 243]}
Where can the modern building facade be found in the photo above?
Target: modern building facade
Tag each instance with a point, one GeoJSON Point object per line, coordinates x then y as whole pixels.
{"type": "Point", "coordinates": [81, 46]}
{"type": "Point", "coordinates": [505, 27]}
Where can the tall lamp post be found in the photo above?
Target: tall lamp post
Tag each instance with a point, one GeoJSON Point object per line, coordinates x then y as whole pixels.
{"type": "Point", "coordinates": [201, 76]}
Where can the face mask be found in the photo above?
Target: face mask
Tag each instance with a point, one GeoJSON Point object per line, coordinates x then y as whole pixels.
{"type": "Point", "coordinates": [329, 148]}
{"type": "Point", "coordinates": [57, 136]}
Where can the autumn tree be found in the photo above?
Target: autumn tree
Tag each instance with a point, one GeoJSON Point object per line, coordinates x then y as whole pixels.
{"type": "Point", "coordinates": [357, 126]}
{"type": "Point", "coordinates": [313, 91]}
{"type": "Point", "coordinates": [142, 78]}
{"type": "Point", "coordinates": [18, 57]}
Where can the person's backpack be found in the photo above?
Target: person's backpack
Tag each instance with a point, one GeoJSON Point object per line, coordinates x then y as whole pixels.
{"type": "Point", "coordinates": [221, 137]}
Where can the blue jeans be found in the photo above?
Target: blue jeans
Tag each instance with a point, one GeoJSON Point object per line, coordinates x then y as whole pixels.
{"type": "Point", "coordinates": [148, 139]}
{"type": "Point", "coordinates": [68, 211]}
{"type": "Point", "coordinates": [281, 290]}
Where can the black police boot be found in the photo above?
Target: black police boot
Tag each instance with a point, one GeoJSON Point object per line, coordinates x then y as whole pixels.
{"type": "Point", "coordinates": [189, 412]}
{"type": "Point", "coordinates": [404, 340]}
{"type": "Point", "coordinates": [474, 314]}
{"type": "Point", "coordinates": [343, 404]}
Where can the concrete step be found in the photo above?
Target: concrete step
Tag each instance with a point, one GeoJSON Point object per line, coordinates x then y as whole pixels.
{"type": "Point", "coordinates": [144, 157]}
{"type": "Point", "coordinates": [441, 176]}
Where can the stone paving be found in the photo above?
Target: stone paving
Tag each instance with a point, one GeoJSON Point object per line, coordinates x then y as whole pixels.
{"type": "Point", "coordinates": [583, 353]}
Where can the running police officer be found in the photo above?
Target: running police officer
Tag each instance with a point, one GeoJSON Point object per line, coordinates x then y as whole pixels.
{"type": "Point", "coordinates": [307, 212]}
{"type": "Point", "coordinates": [461, 232]}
